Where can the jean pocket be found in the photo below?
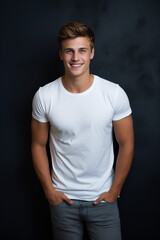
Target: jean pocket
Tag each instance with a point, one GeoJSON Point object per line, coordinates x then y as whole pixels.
{"type": "Point", "coordinates": [106, 202]}
{"type": "Point", "coordinates": [57, 205]}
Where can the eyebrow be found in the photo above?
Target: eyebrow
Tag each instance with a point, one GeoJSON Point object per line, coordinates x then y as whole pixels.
{"type": "Point", "coordinates": [82, 48]}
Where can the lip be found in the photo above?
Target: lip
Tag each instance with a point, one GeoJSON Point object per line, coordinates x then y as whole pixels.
{"type": "Point", "coordinates": [75, 66]}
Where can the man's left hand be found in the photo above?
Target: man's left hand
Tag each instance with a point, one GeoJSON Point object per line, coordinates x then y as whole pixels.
{"type": "Point", "coordinates": [106, 196]}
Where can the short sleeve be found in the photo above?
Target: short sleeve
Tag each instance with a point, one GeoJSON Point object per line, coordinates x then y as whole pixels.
{"type": "Point", "coordinates": [122, 107]}
{"type": "Point", "coordinates": [38, 111]}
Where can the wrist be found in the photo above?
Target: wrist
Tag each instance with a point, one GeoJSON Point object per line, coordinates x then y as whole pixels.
{"type": "Point", "coordinates": [114, 192]}
{"type": "Point", "coordinates": [49, 190]}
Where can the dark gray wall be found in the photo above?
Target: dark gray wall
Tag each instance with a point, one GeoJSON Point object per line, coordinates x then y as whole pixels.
{"type": "Point", "coordinates": [127, 52]}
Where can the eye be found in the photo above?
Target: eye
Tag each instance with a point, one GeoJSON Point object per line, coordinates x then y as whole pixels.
{"type": "Point", "coordinates": [82, 50]}
{"type": "Point", "coordinates": [69, 51]}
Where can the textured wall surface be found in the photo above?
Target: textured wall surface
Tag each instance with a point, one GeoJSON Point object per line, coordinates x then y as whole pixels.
{"type": "Point", "coordinates": [127, 51]}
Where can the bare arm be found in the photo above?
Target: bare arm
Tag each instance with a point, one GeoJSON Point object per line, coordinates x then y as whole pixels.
{"type": "Point", "coordinates": [41, 163]}
{"type": "Point", "coordinates": [125, 137]}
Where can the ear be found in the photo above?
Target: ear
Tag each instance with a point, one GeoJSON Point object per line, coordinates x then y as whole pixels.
{"type": "Point", "coordinates": [92, 54]}
{"type": "Point", "coordinates": [60, 54]}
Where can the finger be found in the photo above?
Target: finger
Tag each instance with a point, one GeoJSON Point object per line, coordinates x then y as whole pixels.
{"type": "Point", "coordinates": [99, 200]}
{"type": "Point", "coordinates": [66, 199]}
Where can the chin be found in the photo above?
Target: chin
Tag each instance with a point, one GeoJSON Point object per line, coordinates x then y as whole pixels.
{"type": "Point", "coordinates": [75, 73]}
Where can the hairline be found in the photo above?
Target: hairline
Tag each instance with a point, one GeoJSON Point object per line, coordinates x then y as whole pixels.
{"type": "Point", "coordinates": [90, 43]}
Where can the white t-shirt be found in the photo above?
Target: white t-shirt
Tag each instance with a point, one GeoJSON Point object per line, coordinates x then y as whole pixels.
{"type": "Point", "coordinates": [81, 141]}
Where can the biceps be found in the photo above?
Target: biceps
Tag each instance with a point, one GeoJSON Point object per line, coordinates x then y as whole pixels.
{"type": "Point", "coordinates": [123, 130]}
{"type": "Point", "coordinates": [39, 132]}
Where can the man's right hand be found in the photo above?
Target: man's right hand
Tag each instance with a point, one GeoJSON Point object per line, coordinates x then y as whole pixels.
{"type": "Point", "coordinates": [55, 197]}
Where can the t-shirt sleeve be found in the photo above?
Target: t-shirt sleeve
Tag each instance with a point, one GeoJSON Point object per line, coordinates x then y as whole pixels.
{"type": "Point", "coordinates": [38, 111]}
{"type": "Point", "coordinates": [122, 107]}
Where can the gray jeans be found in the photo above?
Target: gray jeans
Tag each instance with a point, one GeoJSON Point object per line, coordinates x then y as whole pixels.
{"type": "Point", "coordinates": [101, 221]}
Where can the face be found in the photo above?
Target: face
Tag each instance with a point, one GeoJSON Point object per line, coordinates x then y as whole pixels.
{"type": "Point", "coordinates": [76, 55]}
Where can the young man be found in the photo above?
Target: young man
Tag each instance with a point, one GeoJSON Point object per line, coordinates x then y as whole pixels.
{"type": "Point", "coordinates": [80, 111]}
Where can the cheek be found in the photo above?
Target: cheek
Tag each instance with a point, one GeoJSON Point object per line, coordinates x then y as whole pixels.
{"type": "Point", "coordinates": [87, 58]}
{"type": "Point", "coordinates": [66, 58]}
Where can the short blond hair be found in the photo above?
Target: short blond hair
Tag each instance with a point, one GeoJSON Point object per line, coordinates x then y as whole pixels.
{"type": "Point", "coordinates": [75, 29]}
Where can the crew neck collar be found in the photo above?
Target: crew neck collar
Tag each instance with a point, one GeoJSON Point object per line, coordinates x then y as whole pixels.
{"type": "Point", "coordinates": [90, 89]}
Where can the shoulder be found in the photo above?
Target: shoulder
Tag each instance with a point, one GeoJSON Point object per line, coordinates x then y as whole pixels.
{"type": "Point", "coordinates": [116, 96]}
{"type": "Point", "coordinates": [43, 100]}
{"type": "Point", "coordinates": [107, 88]}
{"type": "Point", "coordinates": [49, 89]}
{"type": "Point", "coordinates": [47, 93]}
{"type": "Point", "coordinates": [105, 84]}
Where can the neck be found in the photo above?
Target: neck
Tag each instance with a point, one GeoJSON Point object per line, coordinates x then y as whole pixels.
{"type": "Point", "coordinates": [77, 84]}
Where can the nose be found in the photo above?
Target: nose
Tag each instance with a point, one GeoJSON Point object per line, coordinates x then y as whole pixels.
{"type": "Point", "coordinates": [75, 56]}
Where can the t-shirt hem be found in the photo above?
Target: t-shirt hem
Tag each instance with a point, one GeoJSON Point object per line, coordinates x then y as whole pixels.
{"type": "Point", "coordinates": [39, 119]}
{"type": "Point", "coordinates": [123, 115]}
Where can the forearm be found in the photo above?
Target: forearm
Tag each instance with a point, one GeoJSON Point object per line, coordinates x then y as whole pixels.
{"type": "Point", "coordinates": [41, 165]}
{"type": "Point", "coordinates": [123, 166]}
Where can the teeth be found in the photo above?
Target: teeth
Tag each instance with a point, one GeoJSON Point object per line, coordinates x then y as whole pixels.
{"type": "Point", "coordinates": [76, 65]}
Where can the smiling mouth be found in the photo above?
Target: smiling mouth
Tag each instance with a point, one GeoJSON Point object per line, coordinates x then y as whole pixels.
{"type": "Point", "coordinates": [75, 66]}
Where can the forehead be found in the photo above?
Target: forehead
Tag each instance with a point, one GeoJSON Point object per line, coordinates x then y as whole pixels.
{"type": "Point", "coordinates": [74, 43]}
